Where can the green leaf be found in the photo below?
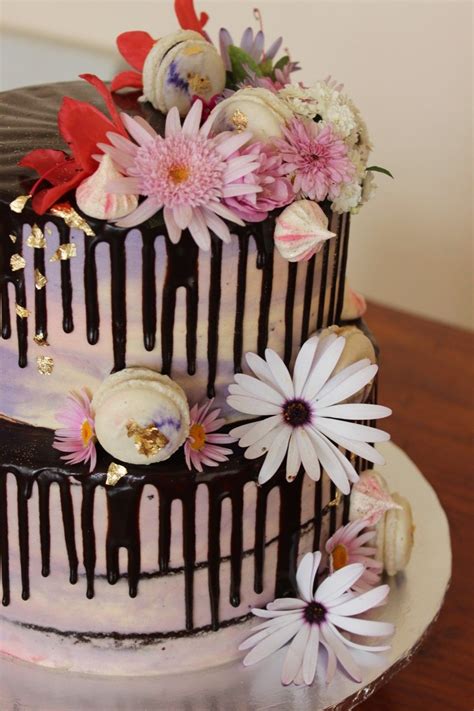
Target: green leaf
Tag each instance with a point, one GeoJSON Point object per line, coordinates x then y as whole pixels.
{"type": "Point", "coordinates": [282, 62]}
{"type": "Point", "coordinates": [378, 169]}
{"type": "Point", "coordinates": [239, 60]}
{"type": "Point", "coordinates": [266, 67]}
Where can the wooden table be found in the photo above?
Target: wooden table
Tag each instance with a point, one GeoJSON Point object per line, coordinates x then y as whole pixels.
{"type": "Point", "coordinates": [427, 377]}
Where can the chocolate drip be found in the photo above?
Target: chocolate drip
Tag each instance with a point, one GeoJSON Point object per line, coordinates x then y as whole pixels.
{"type": "Point", "coordinates": [6, 321]}
{"type": "Point", "coordinates": [260, 519]}
{"type": "Point", "coordinates": [41, 317]}
{"type": "Point", "coordinates": [214, 554]}
{"type": "Point", "coordinates": [68, 525]}
{"type": "Point", "coordinates": [148, 291]}
{"type": "Point", "coordinates": [290, 513]}
{"type": "Point", "coordinates": [332, 509]}
{"type": "Point", "coordinates": [123, 505]}
{"type": "Point", "coordinates": [88, 534]}
{"type": "Point", "coordinates": [66, 283]}
{"type": "Point", "coordinates": [213, 320]}
{"type": "Point", "coordinates": [164, 540]}
{"type": "Point", "coordinates": [308, 293]}
{"type": "Point", "coordinates": [24, 488]}
{"type": "Point", "coordinates": [182, 270]}
{"type": "Point", "coordinates": [264, 262]}
{"type": "Point", "coordinates": [289, 307]}
{"type": "Point", "coordinates": [323, 285]}
{"type": "Point", "coordinates": [343, 267]}
{"type": "Point", "coordinates": [336, 223]}
{"type": "Point", "coordinates": [4, 549]}
{"type": "Point", "coordinates": [189, 551]}
{"type": "Point", "coordinates": [236, 547]}
{"type": "Point", "coordinates": [45, 528]}
{"type": "Point", "coordinates": [318, 505]}
{"type": "Point", "coordinates": [90, 289]}
{"type": "Point", "coordinates": [119, 303]}
{"type": "Point", "coordinates": [240, 301]}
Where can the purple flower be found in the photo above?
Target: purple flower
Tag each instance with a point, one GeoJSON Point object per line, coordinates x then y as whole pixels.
{"type": "Point", "coordinates": [252, 45]}
{"type": "Point", "coordinates": [276, 189]}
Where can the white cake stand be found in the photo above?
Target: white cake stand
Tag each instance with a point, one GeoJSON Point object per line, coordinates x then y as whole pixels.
{"type": "Point", "coordinates": [414, 603]}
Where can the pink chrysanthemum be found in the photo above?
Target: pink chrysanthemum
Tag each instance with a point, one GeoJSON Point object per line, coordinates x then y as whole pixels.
{"type": "Point", "coordinates": [185, 172]}
{"type": "Point", "coordinates": [316, 157]}
{"type": "Point", "coordinates": [348, 545]}
{"type": "Point", "coordinates": [77, 438]}
{"type": "Point", "coordinates": [276, 189]}
{"type": "Point", "coordinates": [203, 445]}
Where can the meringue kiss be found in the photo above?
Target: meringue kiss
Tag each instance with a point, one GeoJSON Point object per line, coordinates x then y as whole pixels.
{"type": "Point", "coordinates": [93, 198]}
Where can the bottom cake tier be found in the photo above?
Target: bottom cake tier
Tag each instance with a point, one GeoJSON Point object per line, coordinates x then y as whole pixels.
{"type": "Point", "coordinates": [156, 574]}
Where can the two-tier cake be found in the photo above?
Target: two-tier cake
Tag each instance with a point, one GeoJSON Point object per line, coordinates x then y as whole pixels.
{"type": "Point", "coordinates": [188, 392]}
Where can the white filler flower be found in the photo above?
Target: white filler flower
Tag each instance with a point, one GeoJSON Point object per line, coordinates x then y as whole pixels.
{"type": "Point", "coordinates": [314, 620]}
{"type": "Point", "coordinates": [305, 416]}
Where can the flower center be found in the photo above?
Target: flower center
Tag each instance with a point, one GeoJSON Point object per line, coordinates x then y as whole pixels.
{"type": "Point", "coordinates": [314, 613]}
{"type": "Point", "coordinates": [340, 557]}
{"type": "Point", "coordinates": [197, 434]}
{"type": "Point", "coordinates": [296, 413]}
{"type": "Point", "coordinates": [178, 173]}
{"type": "Point", "coordinates": [87, 432]}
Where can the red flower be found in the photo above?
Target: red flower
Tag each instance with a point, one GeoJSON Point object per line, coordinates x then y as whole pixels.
{"type": "Point", "coordinates": [82, 126]}
{"type": "Point", "coordinates": [188, 18]}
{"type": "Point", "coordinates": [134, 48]}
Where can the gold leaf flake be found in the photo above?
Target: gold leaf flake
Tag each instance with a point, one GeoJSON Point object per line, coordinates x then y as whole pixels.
{"type": "Point", "coordinates": [72, 218]}
{"type": "Point", "coordinates": [148, 440]}
{"type": "Point", "coordinates": [239, 120]}
{"type": "Point", "coordinates": [40, 279]}
{"type": "Point", "coordinates": [17, 262]}
{"type": "Point", "coordinates": [21, 311]}
{"type": "Point", "coordinates": [114, 473]}
{"type": "Point", "coordinates": [48, 231]}
{"type": "Point", "coordinates": [13, 238]}
{"type": "Point", "coordinates": [40, 340]}
{"type": "Point", "coordinates": [19, 203]}
{"type": "Point", "coordinates": [45, 365]}
{"type": "Point", "coordinates": [191, 50]}
{"type": "Point", "coordinates": [36, 238]}
{"type": "Point", "coordinates": [337, 499]}
{"type": "Point", "coordinates": [64, 251]}
{"type": "Point", "coordinates": [198, 83]}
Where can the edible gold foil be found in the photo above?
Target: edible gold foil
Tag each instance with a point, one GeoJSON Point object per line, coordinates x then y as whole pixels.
{"type": "Point", "coordinates": [36, 238]}
{"type": "Point", "coordinates": [337, 499]}
{"type": "Point", "coordinates": [13, 238]}
{"type": "Point", "coordinates": [40, 340]}
{"type": "Point", "coordinates": [64, 251]}
{"type": "Point", "coordinates": [40, 279]}
{"type": "Point", "coordinates": [192, 50]}
{"type": "Point", "coordinates": [45, 365]}
{"type": "Point", "coordinates": [18, 204]}
{"type": "Point", "coordinates": [114, 473]}
{"type": "Point", "coordinates": [17, 262]}
{"type": "Point", "coordinates": [198, 83]}
{"type": "Point", "coordinates": [148, 440]}
{"type": "Point", "coordinates": [21, 311]}
{"type": "Point", "coordinates": [239, 120]}
{"type": "Point", "coordinates": [72, 218]}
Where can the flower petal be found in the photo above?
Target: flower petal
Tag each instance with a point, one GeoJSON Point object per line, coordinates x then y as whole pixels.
{"type": "Point", "coordinates": [350, 386]}
{"type": "Point", "coordinates": [303, 363]}
{"type": "Point", "coordinates": [310, 660]}
{"type": "Point", "coordinates": [308, 454]}
{"type": "Point", "coordinates": [280, 373]}
{"type": "Point", "coordinates": [304, 575]}
{"type": "Point", "coordinates": [345, 373]}
{"type": "Point", "coordinates": [337, 583]}
{"type": "Point", "coordinates": [252, 406]}
{"type": "Point", "coordinates": [363, 602]}
{"type": "Point", "coordinates": [343, 655]}
{"type": "Point", "coordinates": [256, 430]}
{"type": "Point", "coordinates": [269, 645]}
{"type": "Point", "coordinates": [330, 461]}
{"type": "Point", "coordinates": [144, 211]}
{"type": "Point", "coordinates": [174, 232]}
{"type": "Point", "coordinates": [366, 628]}
{"type": "Point", "coordinates": [258, 389]}
{"type": "Point", "coordinates": [293, 460]}
{"type": "Point", "coordinates": [355, 411]}
{"type": "Point", "coordinates": [295, 655]}
{"type": "Point", "coordinates": [351, 430]}
{"type": "Point", "coordinates": [199, 230]}
{"type": "Point", "coordinates": [275, 456]}
{"type": "Point", "coordinates": [323, 369]}
{"type": "Point", "coordinates": [355, 645]}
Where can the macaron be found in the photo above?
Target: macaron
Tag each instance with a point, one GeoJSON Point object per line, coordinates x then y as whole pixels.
{"type": "Point", "coordinates": [141, 416]}
{"type": "Point", "coordinates": [179, 66]}
{"type": "Point", "coordinates": [398, 536]}
{"type": "Point", "coordinates": [252, 109]}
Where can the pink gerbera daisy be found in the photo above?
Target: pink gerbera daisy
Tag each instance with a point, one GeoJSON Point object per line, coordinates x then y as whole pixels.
{"type": "Point", "coordinates": [316, 157]}
{"type": "Point", "coordinates": [77, 438]}
{"type": "Point", "coordinates": [203, 443]}
{"type": "Point", "coordinates": [185, 172]}
{"type": "Point", "coordinates": [348, 545]}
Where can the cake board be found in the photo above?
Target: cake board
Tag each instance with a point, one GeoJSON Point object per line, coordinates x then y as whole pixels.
{"type": "Point", "coordinates": [414, 604]}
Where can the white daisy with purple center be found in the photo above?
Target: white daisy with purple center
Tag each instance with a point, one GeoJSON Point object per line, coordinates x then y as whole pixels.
{"type": "Point", "coordinates": [305, 416]}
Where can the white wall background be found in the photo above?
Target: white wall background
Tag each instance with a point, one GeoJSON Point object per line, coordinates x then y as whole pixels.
{"type": "Point", "coordinates": [408, 65]}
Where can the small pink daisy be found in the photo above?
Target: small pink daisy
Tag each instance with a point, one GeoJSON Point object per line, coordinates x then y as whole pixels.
{"type": "Point", "coordinates": [203, 443]}
{"type": "Point", "coordinates": [77, 438]}
{"type": "Point", "coordinates": [347, 546]}
{"type": "Point", "coordinates": [185, 172]}
{"type": "Point", "coordinates": [316, 157]}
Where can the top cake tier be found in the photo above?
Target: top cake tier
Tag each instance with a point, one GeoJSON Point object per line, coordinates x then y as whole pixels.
{"type": "Point", "coordinates": [128, 297]}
